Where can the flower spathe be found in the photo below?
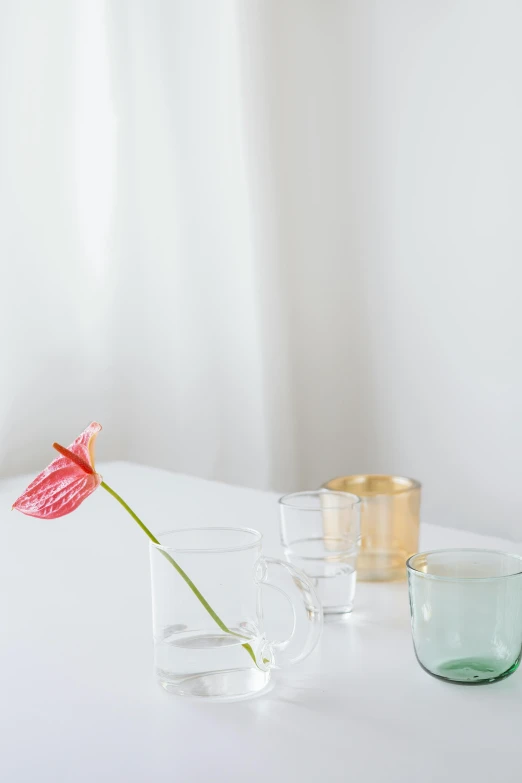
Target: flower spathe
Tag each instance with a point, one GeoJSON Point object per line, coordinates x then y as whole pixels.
{"type": "Point", "coordinates": [66, 482]}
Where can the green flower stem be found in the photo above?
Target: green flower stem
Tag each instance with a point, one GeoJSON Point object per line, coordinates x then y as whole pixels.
{"type": "Point", "coordinates": [178, 568]}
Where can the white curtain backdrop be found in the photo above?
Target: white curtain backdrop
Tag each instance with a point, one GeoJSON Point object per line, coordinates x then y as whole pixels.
{"type": "Point", "coordinates": [267, 241]}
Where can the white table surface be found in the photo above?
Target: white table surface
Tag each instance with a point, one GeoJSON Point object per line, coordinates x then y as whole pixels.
{"type": "Point", "coordinates": [79, 702]}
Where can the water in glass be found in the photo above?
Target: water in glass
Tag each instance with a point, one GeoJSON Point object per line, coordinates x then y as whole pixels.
{"type": "Point", "coordinates": [331, 565]}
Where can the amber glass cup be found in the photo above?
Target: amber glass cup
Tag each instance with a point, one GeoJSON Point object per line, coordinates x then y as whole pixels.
{"type": "Point", "coordinates": [390, 507]}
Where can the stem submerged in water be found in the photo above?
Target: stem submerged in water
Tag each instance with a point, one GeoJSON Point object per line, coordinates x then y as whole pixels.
{"type": "Point", "coordinates": [178, 568]}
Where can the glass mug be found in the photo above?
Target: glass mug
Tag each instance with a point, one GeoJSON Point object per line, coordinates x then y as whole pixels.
{"type": "Point", "coordinates": [390, 511]}
{"type": "Point", "coordinates": [466, 613]}
{"type": "Point", "coordinates": [222, 651]}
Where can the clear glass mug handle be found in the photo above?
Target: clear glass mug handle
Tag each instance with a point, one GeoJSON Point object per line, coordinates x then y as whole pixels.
{"type": "Point", "coordinates": [279, 654]}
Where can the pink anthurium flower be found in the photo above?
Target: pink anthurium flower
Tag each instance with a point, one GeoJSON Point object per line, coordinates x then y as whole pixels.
{"type": "Point", "coordinates": [69, 480]}
{"type": "Point", "coordinates": [66, 482]}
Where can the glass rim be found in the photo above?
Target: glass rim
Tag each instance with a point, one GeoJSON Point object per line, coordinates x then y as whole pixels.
{"type": "Point", "coordinates": [412, 483]}
{"type": "Point", "coordinates": [410, 568]}
{"type": "Point", "coordinates": [257, 537]}
{"type": "Point", "coordinates": [284, 500]}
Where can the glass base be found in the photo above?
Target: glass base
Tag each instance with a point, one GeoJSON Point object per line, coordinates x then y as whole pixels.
{"type": "Point", "coordinates": [472, 671]}
{"type": "Point", "coordinates": [231, 685]}
{"type": "Point", "coordinates": [337, 612]}
{"type": "Point", "coordinates": [381, 566]}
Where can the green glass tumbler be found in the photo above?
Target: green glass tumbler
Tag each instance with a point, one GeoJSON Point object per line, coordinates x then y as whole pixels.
{"type": "Point", "coordinates": [466, 613]}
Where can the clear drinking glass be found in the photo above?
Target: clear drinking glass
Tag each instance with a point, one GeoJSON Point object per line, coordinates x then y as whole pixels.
{"type": "Point", "coordinates": [320, 533]}
{"type": "Point", "coordinates": [466, 613]}
{"type": "Point", "coordinates": [222, 651]}
{"type": "Point", "coordinates": [390, 510]}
